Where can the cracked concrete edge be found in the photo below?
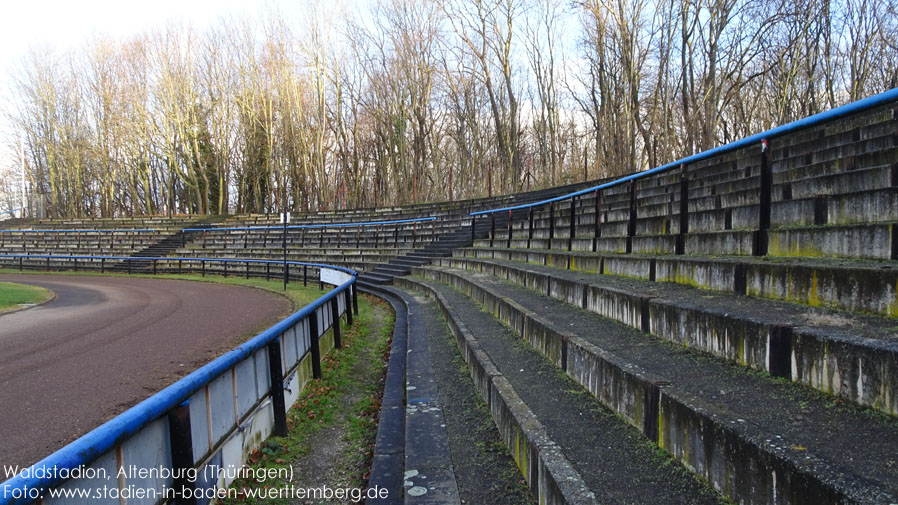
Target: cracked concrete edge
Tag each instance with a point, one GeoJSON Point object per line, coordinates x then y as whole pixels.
{"type": "Point", "coordinates": [388, 462]}
{"type": "Point", "coordinates": [551, 477]}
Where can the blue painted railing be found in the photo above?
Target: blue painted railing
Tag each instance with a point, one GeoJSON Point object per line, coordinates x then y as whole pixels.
{"type": "Point", "coordinates": [816, 119]}
{"type": "Point", "coordinates": [760, 240]}
{"type": "Point", "coordinates": [81, 230]}
{"type": "Point", "coordinates": [177, 401]}
{"type": "Point", "coordinates": [309, 226]}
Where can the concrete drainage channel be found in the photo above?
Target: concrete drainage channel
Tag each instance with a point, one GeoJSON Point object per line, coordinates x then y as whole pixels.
{"type": "Point", "coordinates": [411, 453]}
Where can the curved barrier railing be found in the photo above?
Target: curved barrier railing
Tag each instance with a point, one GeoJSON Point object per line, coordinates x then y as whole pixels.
{"type": "Point", "coordinates": [322, 225]}
{"type": "Point", "coordinates": [358, 226]}
{"type": "Point", "coordinates": [762, 138]}
{"type": "Point", "coordinates": [185, 442]}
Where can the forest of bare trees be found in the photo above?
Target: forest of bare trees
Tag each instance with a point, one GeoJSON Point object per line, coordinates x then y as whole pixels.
{"type": "Point", "coordinates": [425, 100]}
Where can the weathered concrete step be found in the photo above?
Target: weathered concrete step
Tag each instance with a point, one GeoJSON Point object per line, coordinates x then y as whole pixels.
{"type": "Point", "coordinates": [375, 279]}
{"type": "Point", "coordinates": [469, 453]}
{"type": "Point", "coordinates": [756, 440]}
{"type": "Point", "coordinates": [429, 475]}
{"type": "Point", "coordinates": [877, 241]}
{"type": "Point", "coordinates": [853, 357]}
{"type": "Point", "coordinates": [409, 262]}
{"type": "Point", "coordinates": [391, 270]}
{"type": "Point", "coordinates": [569, 448]}
{"type": "Point", "coordinates": [852, 285]}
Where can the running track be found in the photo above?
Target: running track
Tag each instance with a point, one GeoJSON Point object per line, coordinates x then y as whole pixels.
{"type": "Point", "coordinates": [105, 344]}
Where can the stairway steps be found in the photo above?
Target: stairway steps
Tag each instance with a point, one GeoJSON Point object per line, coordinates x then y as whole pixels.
{"type": "Point", "coordinates": [569, 448]}
{"type": "Point", "coordinates": [745, 433]}
{"type": "Point", "coordinates": [783, 339]}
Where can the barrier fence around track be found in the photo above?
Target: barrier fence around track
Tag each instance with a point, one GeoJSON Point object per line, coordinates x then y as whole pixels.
{"type": "Point", "coordinates": [190, 439]}
{"type": "Point", "coordinates": [766, 181]}
{"type": "Point", "coordinates": [285, 229]}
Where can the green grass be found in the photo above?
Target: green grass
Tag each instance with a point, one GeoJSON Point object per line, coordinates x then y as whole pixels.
{"type": "Point", "coordinates": [319, 407]}
{"type": "Point", "coordinates": [15, 295]}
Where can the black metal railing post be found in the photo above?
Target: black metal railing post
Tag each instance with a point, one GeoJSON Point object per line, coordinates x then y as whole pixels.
{"type": "Point", "coordinates": [473, 226]}
{"type": "Point", "coordinates": [572, 234]}
{"type": "Point", "coordinates": [510, 220]}
{"type": "Point", "coordinates": [551, 223]}
{"type": "Point", "coordinates": [182, 458]}
{"type": "Point", "coordinates": [766, 186]}
{"type": "Point", "coordinates": [335, 315]}
{"type": "Point", "coordinates": [684, 210]}
{"type": "Point", "coordinates": [276, 375]}
{"type": "Point", "coordinates": [355, 300]}
{"type": "Point", "coordinates": [631, 223]}
{"type": "Point", "coordinates": [492, 228]}
{"type": "Point", "coordinates": [529, 226]}
{"type": "Point", "coordinates": [313, 339]}
{"type": "Point", "coordinates": [347, 302]}
{"type": "Point", "coordinates": [597, 221]}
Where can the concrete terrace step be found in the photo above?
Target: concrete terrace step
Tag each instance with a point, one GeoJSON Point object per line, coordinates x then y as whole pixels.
{"type": "Point", "coordinates": [755, 439]}
{"type": "Point", "coordinates": [851, 356]}
{"type": "Point", "coordinates": [568, 447]}
{"type": "Point", "coordinates": [859, 286]}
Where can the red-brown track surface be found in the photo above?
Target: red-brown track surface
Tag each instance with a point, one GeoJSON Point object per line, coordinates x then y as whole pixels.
{"type": "Point", "coordinates": [107, 343]}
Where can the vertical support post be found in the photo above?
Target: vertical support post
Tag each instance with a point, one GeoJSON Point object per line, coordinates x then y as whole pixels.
{"type": "Point", "coordinates": [247, 269]}
{"type": "Point", "coordinates": [154, 267]}
{"type": "Point", "coordinates": [335, 315]}
{"type": "Point", "coordinates": [631, 224]}
{"type": "Point", "coordinates": [183, 238]}
{"type": "Point", "coordinates": [684, 210]}
{"type": "Point", "coordinates": [128, 260]}
{"type": "Point", "coordinates": [48, 266]}
{"type": "Point", "coordinates": [267, 271]}
{"type": "Point", "coordinates": [597, 221]}
{"type": "Point", "coordinates": [510, 219]}
{"type": "Point", "coordinates": [305, 275]}
{"type": "Point", "coordinates": [355, 299]}
{"type": "Point", "coordinates": [182, 458]}
{"type": "Point", "coordinates": [313, 339]}
{"type": "Point", "coordinates": [225, 268]}
{"type": "Point", "coordinates": [529, 226]}
{"type": "Point", "coordinates": [761, 243]}
{"type": "Point", "coordinates": [285, 248]}
{"type": "Point", "coordinates": [203, 266]}
{"type": "Point", "coordinates": [492, 229]}
{"type": "Point", "coordinates": [179, 267]}
{"type": "Point", "coordinates": [473, 227]}
{"type": "Point", "coordinates": [102, 265]}
{"type": "Point", "coordinates": [572, 234]}
{"type": "Point", "coordinates": [551, 223]}
{"type": "Point", "coordinates": [277, 386]}
{"type": "Point", "coordinates": [347, 302]}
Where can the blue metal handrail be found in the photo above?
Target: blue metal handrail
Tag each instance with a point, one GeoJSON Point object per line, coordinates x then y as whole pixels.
{"type": "Point", "coordinates": [78, 230]}
{"type": "Point", "coordinates": [98, 441]}
{"type": "Point", "coordinates": [177, 258]}
{"type": "Point", "coordinates": [325, 225]}
{"type": "Point", "coordinates": [816, 119]}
